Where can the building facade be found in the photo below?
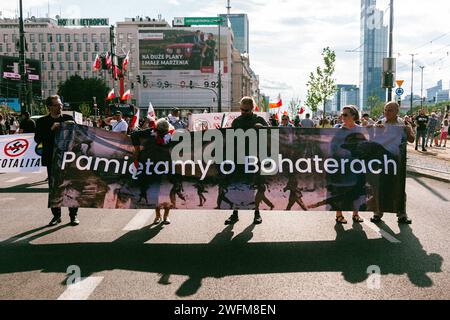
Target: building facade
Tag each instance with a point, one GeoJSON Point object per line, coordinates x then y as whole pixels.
{"type": "Point", "coordinates": [63, 51]}
{"type": "Point", "coordinates": [374, 48]}
{"type": "Point", "coordinates": [240, 26]}
{"type": "Point", "coordinates": [346, 94]}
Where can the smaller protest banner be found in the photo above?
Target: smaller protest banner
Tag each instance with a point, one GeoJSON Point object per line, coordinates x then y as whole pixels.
{"type": "Point", "coordinates": [19, 153]}
{"type": "Point", "coordinates": [207, 121]}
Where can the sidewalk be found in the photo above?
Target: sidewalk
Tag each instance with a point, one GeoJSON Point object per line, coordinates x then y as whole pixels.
{"type": "Point", "coordinates": [434, 164]}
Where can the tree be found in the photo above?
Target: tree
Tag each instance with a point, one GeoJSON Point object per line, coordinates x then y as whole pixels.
{"type": "Point", "coordinates": [85, 110]}
{"type": "Point", "coordinates": [77, 91]}
{"type": "Point", "coordinates": [321, 84]}
{"type": "Point", "coordinates": [294, 107]}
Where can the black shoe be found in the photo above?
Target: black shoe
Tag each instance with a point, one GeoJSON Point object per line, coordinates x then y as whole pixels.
{"type": "Point", "coordinates": [232, 220]}
{"type": "Point", "coordinates": [404, 220]}
{"type": "Point", "coordinates": [54, 222]}
{"type": "Point", "coordinates": [258, 219]}
{"type": "Point", "coordinates": [376, 220]}
{"type": "Point", "coordinates": [74, 222]}
{"type": "Point", "coordinates": [417, 148]}
{"type": "Point", "coordinates": [424, 150]}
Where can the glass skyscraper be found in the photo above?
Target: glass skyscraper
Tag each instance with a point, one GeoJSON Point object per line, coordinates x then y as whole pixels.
{"type": "Point", "coordinates": [240, 27]}
{"type": "Point", "coordinates": [374, 47]}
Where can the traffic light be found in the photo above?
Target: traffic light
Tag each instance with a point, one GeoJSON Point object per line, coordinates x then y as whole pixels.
{"type": "Point", "coordinates": [144, 80]}
{"type": "Point", "coordinates": [138, 79]}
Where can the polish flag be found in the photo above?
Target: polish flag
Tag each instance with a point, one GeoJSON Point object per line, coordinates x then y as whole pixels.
{"type": "Point", "coordinates": [302, 110]}
{"type": "Point", "coordinates": [116, 72]}
{"type": "Point", "coordinates": [108, 60]}
{"type": "Point", "coordinates": [97, 63]}
{"type": "Point", "coordinates": [126, 61]}
{"type": "Point", "coordinates": [111, 95]}
{"type": "Point", "coordinates": [135, 121]}
{"type": "Point", "coordinates": [277, 104]}
{"type": "Point", "coordinates": [151, 111]}
{"type": "Point", "coordinates": [126, 95]}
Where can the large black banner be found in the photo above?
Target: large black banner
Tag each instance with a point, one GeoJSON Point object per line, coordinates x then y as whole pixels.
{"type": "Point", "coordinates": [270, 169]}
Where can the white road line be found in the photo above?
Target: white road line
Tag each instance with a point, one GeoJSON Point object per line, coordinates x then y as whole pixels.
{"type": "Point", "coordinates": [16, 179]}
{"type": "Point", "coordinates": [139, 221]}
{"type": "Point", "coordinates": [81, 290]}
{"type": "Point", "coordinates": [382, 233]}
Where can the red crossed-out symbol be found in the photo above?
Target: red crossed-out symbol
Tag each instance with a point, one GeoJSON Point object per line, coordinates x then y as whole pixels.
{"type": "Point", "coordinates": [16, 148]}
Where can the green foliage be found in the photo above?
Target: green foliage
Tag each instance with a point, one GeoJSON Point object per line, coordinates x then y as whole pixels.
{"type": "Point", "coordinates": [294, 107]}
{"type": "Point", "coordinates": [321, 84]}
{"type": "Point", "coordinates": [265, 104]}
{"type": "Point", "coordinates": [77, 91]}
{"type": "Point", "coordinates": [86, 110]}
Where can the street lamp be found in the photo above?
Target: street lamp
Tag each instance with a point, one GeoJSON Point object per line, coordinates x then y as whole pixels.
{"type": "Point", "coordinates": [421, 87]}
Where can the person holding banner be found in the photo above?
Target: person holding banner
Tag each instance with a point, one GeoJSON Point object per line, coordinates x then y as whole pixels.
{"type": "Point", "coordinates": [391, 118]}
{"type": "Point", "coordinates": [46, 128]}
{"type": "Point", "coordinates": [247, 120]}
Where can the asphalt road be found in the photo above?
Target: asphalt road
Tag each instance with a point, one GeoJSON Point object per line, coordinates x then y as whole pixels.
{"type": "Point", "coordinates": [290, 256]}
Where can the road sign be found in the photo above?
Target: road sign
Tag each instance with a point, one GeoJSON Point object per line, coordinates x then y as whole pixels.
{"type": "Point", "coordinates": [196, 21]}
{"type": "Point", "coordinates": [400, 83]}
{"type": "Point", "coordinates": [399, 92]}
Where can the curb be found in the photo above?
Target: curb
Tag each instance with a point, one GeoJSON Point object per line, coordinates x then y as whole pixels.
{"type": "Point", "coordinates": [413, 172]}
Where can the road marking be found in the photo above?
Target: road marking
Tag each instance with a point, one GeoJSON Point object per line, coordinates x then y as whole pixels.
{"type": "Point", "coordinates": [382, 233]}
{"type": "Point", "coordinates": [81, 290]}
{"type": "Point", "coordinates": [139, 221]}
{"type": "Point", "coordinates": [16, 179]}
{"type": "Point", "coordinates": [7, 199]}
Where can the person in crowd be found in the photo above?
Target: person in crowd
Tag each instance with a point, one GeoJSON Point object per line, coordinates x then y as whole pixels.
{"type": "Point", "coordinates": [13, 126]}
{"type": "Point", "coordinates": [175, 121]}
{"type": "Point", "coordinates": [46, 128]}
{"type": "Point", "coordinates": [117, 123]}
{"type": "Point", "coordinates": [307, 122]}
{"type": "Point", "coordinates": [3, 130]}
{"type": "Point", "coordinates": [297, 121]}
{"type": "Point", "coordinates": [444, 133]}
{"type": "Point", "coordinates": [274, 121]}
{"type": "Point", "coordinates": [431, 130]}
{"type": "Point", "coordinates": [27, 125]}
{"type": "Point", "coordinates": [247, 120]}
{"type": "Point", "coordinates": [421, 122]}
{"type": "Point", "coordinates": [285, 122]}
{"type": "Point", "coordinates": [350, 115]}
{"type": "Point", "coordinates": [366, 121]}
{"type": "Point", "coordinates": [391, 111]}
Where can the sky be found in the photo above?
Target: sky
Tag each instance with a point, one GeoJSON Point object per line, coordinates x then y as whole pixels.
{"type": "Point", "coordinates": [288, 36]}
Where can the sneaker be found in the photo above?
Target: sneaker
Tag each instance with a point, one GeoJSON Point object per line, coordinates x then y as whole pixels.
{"type": "Point", "coordinates": [167, 221]}
{"type": "Point", "coordinates": [54, 222]}
{"type": "Point", "coordinates": [157, 221]}
{"type": "Point", "coordinates": [74, 222]}
{"type": "Point", "coordinates": [424, 150]}
{"type": "Point", "coordinates": [258, 219]}
{"type": "Point", "coordinates": [232, 220]}
{"type": "Point", "coordinates": [404, 220]}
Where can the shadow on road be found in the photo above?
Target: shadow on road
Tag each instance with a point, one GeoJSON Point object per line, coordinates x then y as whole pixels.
{"type": "Point", "coordinates": [351, 254]}
{"type": "Point", "coordinates": [26, 188]}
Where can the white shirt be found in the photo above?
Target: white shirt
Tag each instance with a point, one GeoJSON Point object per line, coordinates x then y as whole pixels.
{"type": "Point", "coordinates": [119, 126]}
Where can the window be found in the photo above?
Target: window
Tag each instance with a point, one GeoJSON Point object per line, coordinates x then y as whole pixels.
{"type": "Point", "coordinates": [14, 38]}
{"type": "Point", "coordinates": [52, 65]}
{"type": "Point", "coordinates": [85, 56]}
{"type": "Point", "coordinates": [76, 56]}
{"type": "Point", "coordinates": [34, 47]}
{"type": "Point", "coordinates": [41, 37]}
{"type": "Point", "coordinates": [62, 66]}
{"type": "Point", "coordinates": [52, 47]}
{"type": "Point", "coordinates": [59, 75]}
{"type": "Point", "coordinates": [43, 47]}
{"type": "Point", "coordinates": [8, 47]}
{"type": "Point", "coordinates": [85, 37]}
{"type": "Point", "coordinates": [61, 47]}
{"type": "Point", "coordinates": [67, 74]}
{"type": "Point", "coordinates": [129, 36]}
{"type": "Point", "coordinates": [5, 38]}
{"type": "Point", "coordinates": [49, 37]}
{"type": "Point", "coordinates": [44, 85]}
{"type": "Point", "coordinates": [103, 37]}
{"type": "Point", "coordinates": [88, 47]}
{"type": "Point", "coordinates": [50, 57]}
{"type": "Point", "coordinates": [88, 66]}
{"type": "Point", "coordinates": [59, 56]}
{"type": "Point", "coordinates": [71, 66]}
{"type": "Point", "coordinates": [32, 38]}
{"type": "Point", "coordinates": [86, 74]}
{"type": "Point", "coordinates": [1, 47]}
{"type": "Point", "coordinates": [76, 37]}
{"type": "Point", "coordinates": [79, 67]}
{"type": "Point", "coordinates": [67, 37]}
{"type": "Point", "coordinates": [120, 36]}
{"type": "Point", "coordinates": [50, 75]}
{"type": "Point", "coordinates": [96, 47]}
{"type": "Point", "coordinates": [33, 56]}
{"type": "Point", "coordinates": [94, 56]}
{"type": "Point", "coordinates": [79, 49]}
{"type": "Point", "coordinates": [58, 37]}
{"type": "Point", "coordinates": [105, 47]}
{"type": "Point", "coordinates": [94, 37]}
{"type": "Point", "coordinates": [70, 47]}
{"type": "Point", "coordinates": [68, 56]}
{"type": "Point", "coordinates": [44, 66]}
{"type": "Point", "coordinates": [53, 85]}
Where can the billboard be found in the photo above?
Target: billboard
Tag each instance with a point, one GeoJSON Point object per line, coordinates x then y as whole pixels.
{"type": "Point", "coordinates": [180, 66]}
{"type": "Point", "coordinates": [10, 77]}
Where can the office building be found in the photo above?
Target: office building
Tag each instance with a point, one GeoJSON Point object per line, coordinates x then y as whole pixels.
{"type": "Point", "coordinates": [240, 26]}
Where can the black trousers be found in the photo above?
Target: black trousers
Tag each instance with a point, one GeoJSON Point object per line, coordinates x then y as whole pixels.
{"type": "Point", "coordinates": [73, 212]}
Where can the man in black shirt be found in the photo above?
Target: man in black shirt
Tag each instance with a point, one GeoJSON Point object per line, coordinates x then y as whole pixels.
{"type": "Point", "coordinates": [27, 125]}
{"type": "Point", "coordinates": [422, 123]}
{"type": "Point", "coordinates": [247, 120]}
{"type": "Point", "coordinates": [45, 132]}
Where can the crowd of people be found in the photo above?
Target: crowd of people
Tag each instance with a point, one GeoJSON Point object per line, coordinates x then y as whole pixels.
{"type": "Point", "coordinates": [429, 128]}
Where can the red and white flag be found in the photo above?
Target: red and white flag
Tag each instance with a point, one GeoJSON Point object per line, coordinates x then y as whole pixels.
{"type": "Point", "coordinates": [111, 95]}
{"type": "Point", "coordinates": [277, 104]}
{"type": "Point", "coordinates": [108, 60]}
{"type": "Point", "coordinates": [97, 63]}
{"type": "Point", "coordinates": [126, 62]}
{"type": "Point", "coordinates": [151, 111]}
{"type": "Point", "coordinates": [135, 121]}
{"type": "Point", "coordinates": [302, 110]}
{"type": "Point", "coordinates": [126, 95]}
